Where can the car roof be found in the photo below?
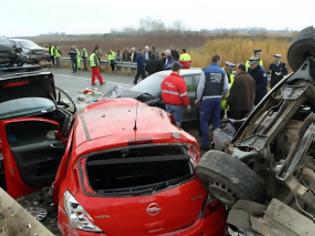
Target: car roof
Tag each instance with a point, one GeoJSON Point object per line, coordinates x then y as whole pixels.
{"type": "Point", "coordinates": [182, 72]}
{"type": "Point", "coordinates": [19, 40]}
{"type": "Point", "coordinates": [111, 122]}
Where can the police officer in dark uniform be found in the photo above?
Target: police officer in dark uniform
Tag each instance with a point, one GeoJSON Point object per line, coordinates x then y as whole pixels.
{"type": "Point", "coordinates": [260, 77]}
{"type": "Point", "coordinates": [277, 70]}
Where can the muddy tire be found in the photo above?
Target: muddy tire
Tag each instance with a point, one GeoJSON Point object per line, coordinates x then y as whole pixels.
{"type": "Point", "coordinates": [228, 179]}
{"type": "Point", "coordinates": [302, 47]}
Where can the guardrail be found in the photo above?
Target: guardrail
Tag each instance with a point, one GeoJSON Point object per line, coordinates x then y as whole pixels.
{"type": "Point", "coordinates": [121, 64]}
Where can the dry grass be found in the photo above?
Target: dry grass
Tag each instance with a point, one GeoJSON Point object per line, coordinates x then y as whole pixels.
{"type": "Point", "coordinates": [231, 48]}
{"type": "Point", "coordinates": [238, 49]}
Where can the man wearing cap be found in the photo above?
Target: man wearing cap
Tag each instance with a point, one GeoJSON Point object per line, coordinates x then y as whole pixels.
{"type": "Point", "coordinates": [277, 70]}
{"type": "Point", "coordinates": [257, 54]}
{"type": "Point", "coordinates": [212, 86]}
{"type": "Point", "coordinates": [260, 77]}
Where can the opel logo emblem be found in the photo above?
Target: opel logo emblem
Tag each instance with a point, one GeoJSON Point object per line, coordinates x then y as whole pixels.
{"type": "Point", "coordinates": [153, 209]}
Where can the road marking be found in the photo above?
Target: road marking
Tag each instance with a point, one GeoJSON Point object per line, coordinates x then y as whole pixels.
{"type": "Point", "coordinates": [83, 78]}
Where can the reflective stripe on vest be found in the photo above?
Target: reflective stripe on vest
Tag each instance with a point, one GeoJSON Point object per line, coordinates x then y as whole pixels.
{"type": "Point", "coordinates": [92, 60]}
{"type": "Point", "coordinates": [174, 93]}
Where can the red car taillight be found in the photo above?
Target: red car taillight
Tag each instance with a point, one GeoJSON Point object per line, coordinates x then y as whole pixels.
{"type": "Point", "coordinates": [78, 217]}
{"type": "Point", "coordinates": [15, 84]}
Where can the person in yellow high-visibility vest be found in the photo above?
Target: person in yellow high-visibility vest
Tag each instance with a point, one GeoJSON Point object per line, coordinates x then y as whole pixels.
{"type": "Point", "coordinates": [229, 69]}
{"type": "Point", "coordinates": [51, 51]}
{"type": "Point", "coordinates": [94, 63]}
{"type": "Point", "coordinates": [185, 59]}
{"type": "Point", "coordinates": [111, 57]}
{"type": "Point", "coordinates": [57, 55]}
{"type": "Point", "coordinates": [84, 56]}
{"type": "Point", "coordinates": [78, 59]}
{"type": "Point", "coordinates": [257, 54]}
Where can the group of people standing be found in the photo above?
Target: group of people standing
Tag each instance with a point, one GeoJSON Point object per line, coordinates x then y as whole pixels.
{"type": "Point", "coordinates": [234, 89]}
{"type": "Point", "coordinates": [150, 61]}
{"type": "Point", "coordinates": [55, 54]}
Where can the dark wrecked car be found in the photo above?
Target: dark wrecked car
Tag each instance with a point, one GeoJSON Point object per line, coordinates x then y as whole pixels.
{"type": "Point", "coordinates": [34, 53]}
{"type": "Point", "coordinates": [149, 90]}
{"type": "Point", "coordinates": [267, 173]}
{"type": "Point", "coordinates": [10, 53]}
{"type": "Point", "coordinates": [35, 118]}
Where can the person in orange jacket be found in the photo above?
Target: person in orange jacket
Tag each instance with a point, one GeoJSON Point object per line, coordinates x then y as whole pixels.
{"type": "Point", "coordinates": [174, 94]}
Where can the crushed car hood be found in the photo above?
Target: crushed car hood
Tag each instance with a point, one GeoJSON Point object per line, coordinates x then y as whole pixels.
{"type": "Point", "coordinates": [119, 91]}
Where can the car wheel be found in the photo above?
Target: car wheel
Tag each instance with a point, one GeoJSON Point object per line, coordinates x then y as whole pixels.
{"type": "Point", "coordinates": [301, 48]}
{"type": "Point", "coordinates": [228, 179]}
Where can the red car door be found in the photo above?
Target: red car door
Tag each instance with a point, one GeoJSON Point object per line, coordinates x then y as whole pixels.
{"type": "Point", "coordinates": [31, 151]}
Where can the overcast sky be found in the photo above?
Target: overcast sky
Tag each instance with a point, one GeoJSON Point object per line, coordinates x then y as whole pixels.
{"type": "Point", "coordinates": [33, 17]}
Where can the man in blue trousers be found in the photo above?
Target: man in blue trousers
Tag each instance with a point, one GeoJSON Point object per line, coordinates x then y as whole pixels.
{"type": "Point", "coordinates": [213, 85]}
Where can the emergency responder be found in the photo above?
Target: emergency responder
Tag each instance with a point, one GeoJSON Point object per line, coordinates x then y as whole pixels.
{"type": "Point", "coordinates": [260, 77]}
{"type": "Point", "coordinates": [212, 86]}
{"type": "Point", "coordinates": [229, 69]}
{"type": "Point", "coordinates": [57, 55]}
{"type": "Point", "coordinates": [185, 59]}
{"type": "Point", "coordinates": [84, 56]}
{"type": "Point", "coordinates": [257, 54]}
{"type": "Point", "coordinates": [73, 58]}
{"type": "Point", "coordinates": [51, 51]}
{"type": "Point", "coordinates": [78, 59]}
{"type": "Point", "coordinates": [174, 94]}
{"type": "Point", "coordinates": [277, 70]}
{"type": "Point", "coordinates": [241, 96]}
{"type": "Point", "coordinates": [94, 65]}
{"type": "Point", "coordinates": [111, 56]}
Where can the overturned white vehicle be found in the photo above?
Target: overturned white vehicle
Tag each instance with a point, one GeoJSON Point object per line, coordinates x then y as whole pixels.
{"type": "Point", "coordinates": [266, 176]}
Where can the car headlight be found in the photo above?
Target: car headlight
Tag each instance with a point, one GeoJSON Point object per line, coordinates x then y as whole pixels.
{"type": "Point", "coordinates": [77, 216]}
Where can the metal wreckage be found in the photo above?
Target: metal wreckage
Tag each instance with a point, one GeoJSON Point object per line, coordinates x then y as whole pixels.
{"type": "Point", "coordinates": [266, 174]}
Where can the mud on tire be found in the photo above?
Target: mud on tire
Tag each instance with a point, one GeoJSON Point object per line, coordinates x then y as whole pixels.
{"type": "Point", "coordinates": [228, 179]}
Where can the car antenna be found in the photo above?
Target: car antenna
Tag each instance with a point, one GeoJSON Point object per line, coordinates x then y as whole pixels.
{"type": "Point", "coordinates": [135, 126]}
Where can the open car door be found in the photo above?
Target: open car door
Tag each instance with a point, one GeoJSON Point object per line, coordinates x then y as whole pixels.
{"type": "Point", "coordinates": [31, 151]}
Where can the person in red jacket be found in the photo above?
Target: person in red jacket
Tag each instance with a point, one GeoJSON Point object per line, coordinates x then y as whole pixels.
{"type": "Point", "coordinates": [174, 94]}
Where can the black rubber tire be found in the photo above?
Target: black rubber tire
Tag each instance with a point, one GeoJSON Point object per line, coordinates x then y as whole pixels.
{"type": "Point", "coordinates": [224, 174]}
{"type": "Point", "coordinates": [302, 47]}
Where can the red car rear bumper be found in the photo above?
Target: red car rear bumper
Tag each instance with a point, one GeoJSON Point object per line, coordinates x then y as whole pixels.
{"type": "Point", "coordinates": [213, 224]}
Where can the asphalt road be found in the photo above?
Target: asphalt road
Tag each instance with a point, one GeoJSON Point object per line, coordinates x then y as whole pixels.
{"type": "Point", "coordinates": [74, 83]}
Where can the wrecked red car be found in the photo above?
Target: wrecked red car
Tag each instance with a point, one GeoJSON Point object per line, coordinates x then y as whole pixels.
{"type": "Point", "coordinates": [128, 170]}
{"type": "Point", "coordinates": [35, 119]}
